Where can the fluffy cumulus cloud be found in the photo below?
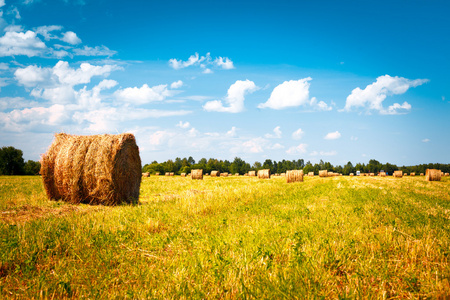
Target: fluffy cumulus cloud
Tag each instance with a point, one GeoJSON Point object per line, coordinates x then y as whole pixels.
{"type": "Point", "coordinates": [183, 125]}
{"type": "Point", "coordinates": [204, 62]}
{"type": "Point", "coordinates": [176, 84]}
{"type": "Point", "coordinates": [144, 94]}
{"type": "Point", "coordinates": [275, 135]}
{"type": "Point", "coordinates": [21, 43]}
{"type": "Point", "coordinates": [300, 149]}
{"type": "Point", "coordinates": [71, 38]}
{"type": "Point", "coordinates": [235, 98]}
{"type": "Point", "coordinates": [298, 134]}
{"type": "Point", "coordinates": [333, 135]}
{"type": "Point", "coordinates": [323, 153]}
{"type": "Point", "coordinates": [293, 93]}
{"type": "Point", "coordinates": [373, 95]}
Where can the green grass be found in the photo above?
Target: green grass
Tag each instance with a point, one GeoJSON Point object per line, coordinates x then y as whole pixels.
{"type": "Point", "coordinates": [234, 237]}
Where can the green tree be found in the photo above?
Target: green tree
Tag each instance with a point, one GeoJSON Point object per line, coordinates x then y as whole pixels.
{"type": "Point", "coordinates": [32, 167]}
{"type": "Point", "coordinates": [11, 161]}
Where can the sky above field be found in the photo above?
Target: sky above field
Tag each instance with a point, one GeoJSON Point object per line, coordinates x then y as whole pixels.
{"type": "Point", "coordinates": [333, 80]}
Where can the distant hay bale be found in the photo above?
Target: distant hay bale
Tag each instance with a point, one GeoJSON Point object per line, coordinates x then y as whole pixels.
{"type": "Point", "coordinates": [98, 169]}
{"type": "Point", "coordinates": [183, 174]}
{"type": "Point", "coordinates": [157, 173]}
{"type": "Point", "coordinates": [225, 174]}
{"type": "Point", "coordinates": [371, 174]}
{"type": "Point", "coordinates": [246, 174]}
{"type": "Point", "coordinates": [264, 174]}
{"type": "Point", "coordinates": [311, 174]}
{"type": "Point", "coordinates": [421, 174]}
{"type": "Point", "coordinates": [146, 174]}
{"type": "Point", "coordinates": [294, 176]}
{"type": "Point", "coordinates": [432, 175]}
{"type": "Point", "coordinates": [405, 174]}
{"type": "Point", "coordinates": [323, 173]}
{"type": "Point", "coordinates": [251, 173]}
{"type": "Point", "coordinates": [215, 173]}
{"type": "Point", "coordinates": [283, 175]}
{"type": "Point", "coordinates": [383, 174]}
{"type": "Point", "coordinates": [172, 173]}
{"type": "Point", "coordinates": [446, 174]}
{"type": "Point", "coordinates": [398, 174]}
{"type": "Point", "coordinates": [197, 174]}
{"type": "Point", "coordinates": [236, 174]}
{"type": "Point", "coordinates": [167, 174]}
{"type": "Point", "coordinates": [206, 174]}
{"type": "Point", "coordinates": [351, 174]}
{"type": "Point", "coordinates": [412, 174]}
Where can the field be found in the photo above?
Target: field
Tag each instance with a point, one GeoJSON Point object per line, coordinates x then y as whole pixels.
{"type": "Point", "coordinates": [235, 237]}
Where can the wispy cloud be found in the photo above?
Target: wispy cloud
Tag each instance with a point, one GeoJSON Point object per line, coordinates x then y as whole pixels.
{"type": "Point", "coordinates": [333, 135]}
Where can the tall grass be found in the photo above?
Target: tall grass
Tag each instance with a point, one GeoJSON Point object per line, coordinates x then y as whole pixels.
{"type": "Point", "coordinates": [234, 237]}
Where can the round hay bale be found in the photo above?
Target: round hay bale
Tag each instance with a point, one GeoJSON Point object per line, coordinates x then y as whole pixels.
{"type": "Point", "coordinates": [171, 174]}
{"type": "Point", "coordinates": [157, 173]}
{"type": "Point", "coordinates": [146, 174]}
{"type": "Point", "coordinates": [446, 174]}
{"type": "Point", "coordinates": [197, 174]}
{"type": "Point", "coordinates": [432, 175]}
{"type": "Point", "coordinates": [225, 174]}
{"type": "Point", "coordinates": [264, 174]}
{"type": "Point", "coordinates": [311, 174]}
{"type": "Point", "coordinates": [412, 174]}
{"type": "Point", "coordinates": [421, 174]}
{"type": "Point", "coordinates": [245, 174]}
{"type": "Point", "coordinates": [283, 175]}
{"type": "Point", "coordinates": [183, 174]}
{"type": "Point", "coordinates": [383, 174]}
{"type": "Point", "coordinates": [97, 169]}
{"type": "Point", "coordinates": [251, 173]}
{"type": "Point", "coordinates": [236, 174]}
{"type": "Point", "coordinates": [398, 174]}
{"type": "Point", "coordinates": [323, 173]}
{"type": "Point", "coordinates": [294, 176]}
{"type": "Point", "coordinates": [351, 174]}
{"type": "Point", "coordinates": [405, 174]}
{"type": "Point", "coordinates": [371, 174]}
{"type": "Point", "coordinates": [215, 173]}
{"type": "Point", "coordinates": [167, 174]}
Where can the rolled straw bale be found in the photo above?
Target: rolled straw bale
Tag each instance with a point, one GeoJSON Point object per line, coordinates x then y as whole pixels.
{"type": "Point", "coordinates": [433, 175]}
{"type": "Point", "coordinates": [189, 174]}
{"type": "Point", "coordinates": [215, 173]}
{"type": "Point", "coordinates": [225, 174]}
{"type": "Point", "coordinates": [383, 174]}
{"type": "Point", "coordinates": [264, 174]}
{"type": "Point", "coordinates": [446, 174]}
{"type": "Point", "coordinates": [421, 174]}
{"type": "Point", "coordinates": [283, 175]}
{"type": "Point", "coordinates": [311, 174]}
{"type": "Point", "coordinates": [167, 174]}
{"type": "Point", "coordinates": [398, 174]}
{"type": "Point", "coordinates": [206, 174]}
{"type": "Point", "coordinates": [323, 173]}
{"type": "Point", "coordinates": [251, 173]}
{"type": "Point", "coordinates": [412, 174]}
{"type": "Point", "coordinates": [246, 174]}
{"type": "Point", "coordinates": [371, 174]}
{"type": "Point", "coordinates": [197, 174]}
{"type": "Point", "coordinates": [405, 174]}
{"type": "Point", "coordinates": [172, 173]}
{"type": "Point", "coordinates": [351, 174]}
{"type": "Point", "coordinates": [442, 174]}
{"type": "Point", "coordinates": [236, 174]}
{"type": "Point", "coordinates": [97, 169]}
{"type": "Point", "coordinates": [146, 174]}
{"type": "Point", "coordinates": [294, 176]}
{"type": "Point", "coordinates": [157, 173]}
{"type": "Point", "coordinates": [183, 174]}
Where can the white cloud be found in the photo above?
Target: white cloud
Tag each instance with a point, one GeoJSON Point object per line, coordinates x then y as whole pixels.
{"type": "Point", "coordinates": [21, 43]}
{"type": "Point", "coordinates": [67, 75]}
{"type": "Point", "coordinates": [425, 140]}
{"type": "Point", "coordinates": [179, 64]}
{"type": "Point", "coordinates": [333, 135]}
{"type": "Point", "coordinates": [183, 125]}
{"type": "Point", "coordinates": [224, 63]}
{"type": "Point", "coordinates": [374, 94]}
{"type": "Point", "coordinates": [235, 98]}
{"type": "Point", "coordinates": [176, 84]}
{"type": "Point", "coordinates": [4, 66]}
{"type": "Point", "coordinates": [207, 71]}
{"type": "Point", "coordinates": [276, 133]}
{"type": "Point", "coordinates": [2, 3]}
{"type": "Point", "coordinates": [323, 153]}
{"type": "Point", "coordinates": [45, 31]}
{"type": "Point", "coordinates": [94, 51]}
{"type": "Point", "coordinates": [231, 132]}
{"type": "Point", "coordinates": [254, 145]}
{"type": "Point", "coordinates": [71, 38]}
{"type": "Point", "coordinates": [396, 109]}
{"type": "Point", "coordinates": [300, 149]}
{"type": "Point", "coordinates": [276, 146]}
{"type": "Point", "coordinates": [32, 75]}
{"type": "Point", "coordinates": [293, 93]}
{"type": "Point", "coordinates": [144, 94]}
{"type": "Point", "coordinates": [298, 134]}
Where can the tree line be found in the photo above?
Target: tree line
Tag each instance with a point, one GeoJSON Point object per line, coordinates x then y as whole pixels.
{"type": "Point", "coordinates": [12, 163]}
{"type": "Point", "coordinates": [240, 166]}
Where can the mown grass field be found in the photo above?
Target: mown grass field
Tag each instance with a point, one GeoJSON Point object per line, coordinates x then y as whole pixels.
{"type": "Point", "coordinates": [235, 237]}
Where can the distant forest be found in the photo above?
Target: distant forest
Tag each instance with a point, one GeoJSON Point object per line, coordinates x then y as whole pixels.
{"type": "Point", "coordinates": [185, 165]}
{"type": "Point", "coordinates": [12, 163]}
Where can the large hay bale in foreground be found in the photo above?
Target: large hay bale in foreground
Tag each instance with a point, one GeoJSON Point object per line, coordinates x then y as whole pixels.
{"type": "Point", "coordinates": [215, 173]}
{"type": "Point", "coordinates": [323, 173]}
{"type": "Point", "coordinates": [197, 174]}
{"type": "Point", "coordinates": [264, 174]}
{"type": "Point", "coordinates": [97, 169]}
{"type": "Point", "coordinates": [398, 174]}
{"type": "Point", "coordinates": [251, 173]}
{"type": "Point", "coordinates": [432, 175]}
{"type": "Point", "coordinates": [294, 176]}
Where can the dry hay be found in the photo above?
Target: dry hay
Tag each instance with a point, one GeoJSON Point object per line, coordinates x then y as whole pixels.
{"type": "Point", "coordinates": [283, 175]}
{"type": "Point", "coordinates": [236, 174]}
{"type": "Point", "coordinates": [183, 174]}
{"type": "Point", "coordinates": [197, 174]}
{"type": "Point", "coordinates": [225, 174]}
{"type": "Point", "coordinates": [421, 174]}
{"type": "Point", "coordinates": [412, 174]}
{"type": "Point", "coordinates": [405, 174]}
{"type": "Point", "coordinates": [215, 173]}
{"type": "Point", "coordinates": [251, 173]}
{"type": "Point", "coordinates": [146, 174]}
{"type": "Point", "coordinates": [206, 174]}
{"type": "Point", "coordinates": [311, 174]}
{"type": "Point", "coordinates": [294, 176]}
{"type": "Point", "coordinates": [246, 174]}
{"type": "Point", "coordinates": [398, 174]}
{"type": "Point", "coordinates": [167, 174]}
{"type": "Point", "coordinates": [433, 175]}
{"type": "Point", "coordinates": [371, 174]}
{"type": "Point", "coordinates": [446, 174]}
{"type": "Point", "coordinates": [264, 174]}
{"type": "Point", "coordinates": [351, 174]}
{"type": "Point", "coordinates": [323, 173]}
{"type": "Point", "coordinates": [157, 173]}
{"type": "Point", "coordinates": [383, 174]}
{"type": "Point", "coordinates": [97, 169]}
{"type": "Point", "coordinates": [171, 174]}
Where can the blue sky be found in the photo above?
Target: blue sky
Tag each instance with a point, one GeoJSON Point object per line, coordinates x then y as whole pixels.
{"type": "Point", "coordinates": [334, 80]}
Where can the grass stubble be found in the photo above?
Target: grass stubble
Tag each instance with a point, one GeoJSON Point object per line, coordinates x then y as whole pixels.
{"type": "Point", "coordinates": [235, 237]}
